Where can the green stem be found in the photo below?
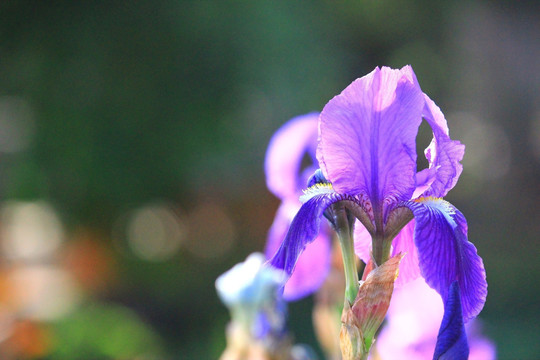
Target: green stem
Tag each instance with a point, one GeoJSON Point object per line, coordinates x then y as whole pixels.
{"type": "Point", "coordinates": [344, 231]}
{"type": "Point", "coordinates": [381, 249]}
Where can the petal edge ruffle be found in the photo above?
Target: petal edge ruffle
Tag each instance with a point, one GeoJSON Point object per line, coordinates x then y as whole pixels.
{"type": "Point", "coordinates": [443, 154]}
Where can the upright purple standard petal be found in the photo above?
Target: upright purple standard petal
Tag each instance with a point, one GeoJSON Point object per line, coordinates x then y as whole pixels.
{"type": "Point", "coordinates": [452, 339]}
{"type": "Point", "coordinates": [445, 255]}
{"type": "Point", "coordinates": [367, 137]}
{"type": "Point", "coordinates": [285, 153]}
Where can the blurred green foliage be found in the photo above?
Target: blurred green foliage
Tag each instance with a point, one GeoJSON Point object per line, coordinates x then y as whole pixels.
{"type": "Point", "coordinates": [104, 332]}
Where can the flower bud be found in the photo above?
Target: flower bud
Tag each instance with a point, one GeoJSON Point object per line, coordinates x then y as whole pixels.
{"type": "Point", "coordinates": [361, 320]}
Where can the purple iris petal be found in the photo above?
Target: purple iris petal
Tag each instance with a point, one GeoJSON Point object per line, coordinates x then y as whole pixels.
{"type": "Point", "coordinates": [443, 154]}
{"type": "Point", "coordinates": [445, 254]}
{"type": "Point", "coordinates": [424, 179]}
{"type": "Point", "coordinates": [285, 153]}
{"type": "Point", "coordinates": [367, 137]}
{"type": "Point", "coordinates": [452, 339]}
{"type": "Point", "coordinates": [303, 231]}
{"type": "Point", "coordinates": [312, 266]}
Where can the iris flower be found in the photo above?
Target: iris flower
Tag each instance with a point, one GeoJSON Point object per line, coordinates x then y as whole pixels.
{"type": "Point", "coordinates": [250, 291]}
{"type": "Point", "coordinates": [367, 156]}
{"type": "Point", "coordinates": [294, 143]}
{"type": "Point", "coordinates": [258, 326]}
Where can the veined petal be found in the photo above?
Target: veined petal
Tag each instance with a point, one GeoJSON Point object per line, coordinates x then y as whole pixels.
{"type": "Point", "coordinates": [313, 264]}
{"type": "Point", "coordinates": [443, 154]}
{"type": "Point", "coordinates": [303, 231]}
{"type": "Point", "coordinates": [367, 137]}
{"type": "Point", "coordinates": [452, 339]}
{"type": "Point", "coordinates": [445, 255]}
{"type": "Point", "coordinates": [424, 179]}
{"type": "Point", "coordinates": [285, 152]}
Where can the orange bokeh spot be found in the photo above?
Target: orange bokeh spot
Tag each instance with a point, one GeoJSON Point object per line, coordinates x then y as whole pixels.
{"type": "Point", "coordinates": [29, 339]}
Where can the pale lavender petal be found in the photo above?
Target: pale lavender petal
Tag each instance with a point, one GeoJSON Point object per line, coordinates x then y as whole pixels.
{"type": "Point", "coordinates": [285, 153]}
{"type": "Point", "coordinates": [368, 137]}
{"type": "Point", "coordinates": [303, 231]}
{"type": "Point", "coordinates": [443, 154]}
{"type": "Point", "coordinates": [409, 269]}
{"type": "Point", "coordinates": [420, 306]}
{"type": "Point", "coordinates": [413, 321]}
{"type": "Point", "coordinates": [313, 264]}
{"type": "Point", "coordinates": [445, 255]}
{"type": "Point", "coordinates": [362, 242]}
{"type": "Point", "coordinates": [481, 348]}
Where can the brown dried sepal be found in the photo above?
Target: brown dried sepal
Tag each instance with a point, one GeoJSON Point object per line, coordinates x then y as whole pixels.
{"type": "Point", "coordinates": [361, 321]}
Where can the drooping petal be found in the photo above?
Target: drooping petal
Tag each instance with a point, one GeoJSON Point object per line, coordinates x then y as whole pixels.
{"type": "Point", "coordinates": [312, 266]}
{"type": "Point", "coordinates": [303, 231]}
{"type": "Point", "coordinates": [443, 154]}
{"type": "Point", "coordinates": [445, 255]}
{"type": "Point", "coordinates": [367, 136]}
{"type": "Point", "coordinates": [310, 271]}
{"type": "Point", "coordinates": [285, 153]}
{"type": "Point", "coordinates": [452, 339]}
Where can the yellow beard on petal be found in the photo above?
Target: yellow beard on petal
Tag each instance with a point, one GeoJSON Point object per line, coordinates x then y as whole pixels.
{"type": "Point", "coordinates": [317, 189]}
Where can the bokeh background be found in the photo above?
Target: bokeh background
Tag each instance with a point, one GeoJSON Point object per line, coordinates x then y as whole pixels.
{"type": "Point", "coordinates": [132, 141]}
